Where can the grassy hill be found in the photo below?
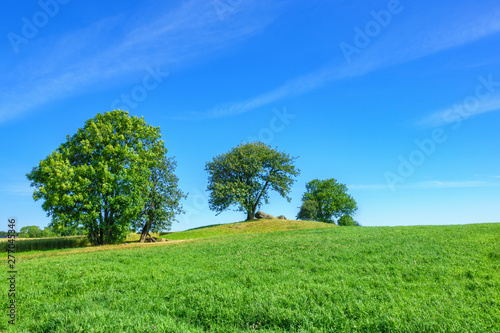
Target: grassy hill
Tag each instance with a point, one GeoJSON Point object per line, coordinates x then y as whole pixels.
{"type": "Point", "coordinates": [258, 226]}
{"type": "Point", "coordinates": [333, 279]}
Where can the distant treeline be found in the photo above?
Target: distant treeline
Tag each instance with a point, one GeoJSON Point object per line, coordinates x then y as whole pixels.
{"type": "Point", "coordinates": [34, 231]}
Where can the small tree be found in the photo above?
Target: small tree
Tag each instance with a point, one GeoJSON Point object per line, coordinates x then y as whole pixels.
{"type": "Point", "coordinates": [31, 231]}
{"type": "Point", "coordinates": [308, 210]}
{"type": "Point", "coordinates": [331, 198]}
{"type": "Point", "coordinates": [46, 232]}
{"type": "Point", "coordinates": [244, 176]}
{"type": "Point", "coordinates": [99, 177]}
{"type": "Point", "coordinates": [347, 221]}
{"type": "Point", "coordinates": [163, 200]}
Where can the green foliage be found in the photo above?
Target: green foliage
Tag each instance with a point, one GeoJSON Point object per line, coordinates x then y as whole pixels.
{"type": "Point", "coordinates": [163, 201]}
{"type": "Point", "coordinates": [398, 279]}
{"type": "Point", "coordinates": [308, 210]}
{"type": "Point", "coordinates": [331, 198]}
{"type": "Point", "coordinates": [31, 231]}
{"type": "Point", "coordinates": [244, 176]}
{"type": "Point", "coordinates": [35, 232]}
{"type": "Point", "coordinates": [99, 177]}
{"type": "Point", "coordinates": [347, 221]}
{"type": "Point", "coordinates": [73, 231]}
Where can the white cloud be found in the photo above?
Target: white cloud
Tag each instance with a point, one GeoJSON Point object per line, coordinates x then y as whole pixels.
{"type": "Point", "coordinates": [293, 88]}
{"type": "Point", "coordinates": [82, 58]}
{"type": "Point", "coordinates": [400, 44]}
{"type": "Point", "coordinates": [76, 61]}
{"type": "Point", "coordinates": [452, 184]}
{"type": "Point", "coordinates": [461, 111]}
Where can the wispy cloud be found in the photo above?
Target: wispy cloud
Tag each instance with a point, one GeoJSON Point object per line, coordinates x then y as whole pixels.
{"type": "Point", "coordinates": [105, 52]}
{"type": "Point", "coordinates": [459, 112]}
{"type": "Point", "coordinates": [292, 88]}
{"type": "Point", "coordinates": [80, 59]}
{"type": "Point", "coordinates": [452, 184]}
{"type": "Point", "coordinates": [435, 184]}
{"type": "Point", "coordinates": [407, 42]}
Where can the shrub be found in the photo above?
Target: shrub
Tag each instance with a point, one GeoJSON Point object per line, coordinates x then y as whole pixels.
{"type": "Point", "coordinates": [347, 221]}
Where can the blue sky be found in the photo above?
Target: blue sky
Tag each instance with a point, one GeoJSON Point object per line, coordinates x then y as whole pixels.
{"type": "Point", "coordinates": [396, 99]}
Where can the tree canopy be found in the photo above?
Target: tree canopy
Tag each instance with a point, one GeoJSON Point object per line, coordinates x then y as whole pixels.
{"type": "Point", "coordinates": [32, 231]}
{"type": "Point", "coordinates": [347, 221]}
{"type": "Point", "coordinates": [100, 177]}
{"type": "Point", "coordinates": [163, 200]}
{"type": "Point", "coordinates": [308, 211]}
{"type": "Point", "coordinates": [331, 200]}
{"type": "Point", "coordinates": [244, 176]}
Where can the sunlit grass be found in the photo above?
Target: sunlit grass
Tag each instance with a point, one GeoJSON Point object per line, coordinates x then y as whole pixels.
{"type": "Point", "coordinates": [343, 279]}
{"type": "Point", "coordinates": [257, 226]}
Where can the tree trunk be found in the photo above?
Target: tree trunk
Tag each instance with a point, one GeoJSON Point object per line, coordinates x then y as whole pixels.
{"type": "Point", "coordinates": [145, 231]}
{"type": "Point", "coordinates": [107, 232]}
{"type": "Point", "coordinates": [101, 236]}
{"type": "Point", "coordinates": [92, 235]}
{"type": "Point", "coordinates": [250, 215]}
{"type": "Point", "coordinates": [148, 224]}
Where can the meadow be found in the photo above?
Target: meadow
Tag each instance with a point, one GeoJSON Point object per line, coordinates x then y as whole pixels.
{"type": "Point", "coordinates": [258, 226]}
{"type": "Point", "coordinates": [34, 245]}
{"type": "Point", "coordinates": [323, 279]}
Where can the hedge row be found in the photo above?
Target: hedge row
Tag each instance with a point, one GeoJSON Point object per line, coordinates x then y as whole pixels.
{"type": "Point", "coordinates": [27, 244]}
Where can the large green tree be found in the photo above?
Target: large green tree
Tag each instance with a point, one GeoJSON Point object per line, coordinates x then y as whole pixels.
{"type": "Point", "coordinates": [244, 176]}
{"type": "Point", "coordinates": [330, 198]}
{"type": "Point", "coordinates": [163, 200]}
{"type": "Point", "coordinates": [100, 177]}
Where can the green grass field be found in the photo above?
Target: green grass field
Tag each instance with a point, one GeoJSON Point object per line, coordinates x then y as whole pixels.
{"type": "Point", "coordinates": [258, 226]}
{"type": "Point", "coordinates": [334, 279]}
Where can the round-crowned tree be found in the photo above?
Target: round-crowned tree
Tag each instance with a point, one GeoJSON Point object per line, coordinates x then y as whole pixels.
{"type": "Point", "coordinates": [347, 221]}
{"type": "Point", "coordinates": [331, 199]}
{"type": "Point", "coordinates": [244, 176]}
{"type": "Point", "coordinates": [101, 177]}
